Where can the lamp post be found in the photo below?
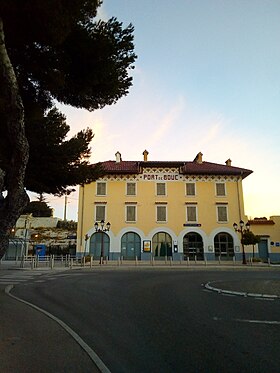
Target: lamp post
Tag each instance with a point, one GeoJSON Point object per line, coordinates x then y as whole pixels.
{"type": "Point", "coordinates": [241, 229]}
{"type": "Point", "coordinates": [101, 228]}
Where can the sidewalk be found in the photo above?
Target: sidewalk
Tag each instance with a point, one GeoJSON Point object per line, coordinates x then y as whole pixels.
{"type": "Point", "coordinates": [32, 342]}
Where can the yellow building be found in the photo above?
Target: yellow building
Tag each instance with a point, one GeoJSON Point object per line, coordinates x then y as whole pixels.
{"type": "Point", "coordinates": [162, 209]}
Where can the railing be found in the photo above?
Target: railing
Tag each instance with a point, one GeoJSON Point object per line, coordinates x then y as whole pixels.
{"type": "Point", "coordinates": [71, 261]}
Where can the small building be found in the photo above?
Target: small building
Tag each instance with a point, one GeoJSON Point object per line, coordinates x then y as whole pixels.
{"type": "Point", "coordinates": [177, 209]}
{"type": "Point", "coordinates": [268, 231]}
{"type": "Point", "coordinates": [30, 233]}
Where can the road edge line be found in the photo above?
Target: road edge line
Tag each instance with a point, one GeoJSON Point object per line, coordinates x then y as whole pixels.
{"type": "Point", "coordinates": [93, 356]}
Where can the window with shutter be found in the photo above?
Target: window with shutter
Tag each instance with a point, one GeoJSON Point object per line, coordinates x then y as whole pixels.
{"type": "Point", "coordinates": [220, 189]}
{"type": "Point", "coordinates": [101, 189]}
{"type": "Point", "coordinates": [131, 213]}
{"type": "Point", "coordinates": [161, 189]}
{"type": "Point", "coordinates": [161, 213]}
{"type": "Point", "coordinates": [100, 212]}
{"type": "Point", "coordinates": [191, 214]}
{"type": "Point", "coordinates": [190, 189]}
{"type": "Point", "coordinates": [222, 214]}
{"type": "Point", "coordinates": [131, 189]}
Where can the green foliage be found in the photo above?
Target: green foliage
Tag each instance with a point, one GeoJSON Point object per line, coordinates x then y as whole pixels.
{"type": "Point", "coordinates": [60, 54]}
{"type": "Point", "coordinates": [67, 225]}
{"type": "Point", "coordinates": [249, 238]}
{"type": "Point", "coordinates": [38, 209]}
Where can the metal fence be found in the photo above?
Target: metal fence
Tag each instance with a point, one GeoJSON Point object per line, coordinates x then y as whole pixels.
{"type": "Point", "coordinates": [71, 261]}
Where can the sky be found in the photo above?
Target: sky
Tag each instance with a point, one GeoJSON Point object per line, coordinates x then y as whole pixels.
{"type": "Point", "coordinates": [207, 79]}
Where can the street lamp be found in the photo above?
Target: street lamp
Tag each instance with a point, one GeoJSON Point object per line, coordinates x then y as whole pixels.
{"type": "Point", "coordinates": [102, 228]}
{"type": "Point", "coordinates": [241, 229]}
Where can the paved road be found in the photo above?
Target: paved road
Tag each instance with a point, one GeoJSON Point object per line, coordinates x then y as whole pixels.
{"type": "Point", "coordinates": [164, 320]}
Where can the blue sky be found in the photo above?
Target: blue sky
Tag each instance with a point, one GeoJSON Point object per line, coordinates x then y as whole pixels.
{"type": "Point", "coordinates": [207, 79]}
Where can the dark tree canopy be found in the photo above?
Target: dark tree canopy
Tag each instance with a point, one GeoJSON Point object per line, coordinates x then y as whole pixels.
{"type": "Point", "coordinates": [38, 209]}
{"type": "Point", "coordinates": [53, 50]}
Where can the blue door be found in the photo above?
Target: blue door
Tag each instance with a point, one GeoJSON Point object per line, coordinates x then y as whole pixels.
{"type": "Point", "coordinates": [263, 249]}
{"type": "Point", "coordinates": [99, 242]}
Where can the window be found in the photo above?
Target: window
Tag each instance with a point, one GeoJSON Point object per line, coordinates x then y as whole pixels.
{"type": "Point", "coordinates": [101, 189]}
{"type": "Point", "coordinates": [222, 214]}
{"type": "Point", "coordinates": [100, 212]}
{"type": "Point", "coordinates": [191, 214]}
{"type": "Point", "coordinates": [220, 189]}
{"type": "Point", "coordinates": [161, 213]}
{"type": "Point", "coordinates": [162, 245]}
{"type": "Point", "coordinates": [161, 189]}
{"type": "Point", "coordinates": [130, 213]}
{"type": "Point", "coordinates": [190, 189]}
{"type": "Point", "coordinates": [131, 189]}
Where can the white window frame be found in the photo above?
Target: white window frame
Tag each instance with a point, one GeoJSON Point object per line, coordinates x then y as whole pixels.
{"type": "Point", "coordinates": [161, 221]}
{"type": "Point", "coordinates": [196, 217]}
{"type": "Point", "coordinates": [98, 183]}
{"type": "Point", "coordinates": [95, 212]}
{"type": "Point", "coordinates": [165, 189]}
{"type": "Point", "coordinates": [217, 211]}
{"type": "Point", "coordinates": [216, 189]}
{"type": "Point", "coordinates": [126, 214]}
{"type": "Point", "coordinates": [190, 195]}
{"type": "Point", "coordinates": [131, 182]}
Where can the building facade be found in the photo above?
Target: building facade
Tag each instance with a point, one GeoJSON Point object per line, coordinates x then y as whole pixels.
{"type": "Point", "coordinates": [268, 231]}
{"type": "Point", "coordinates": [159, 209]}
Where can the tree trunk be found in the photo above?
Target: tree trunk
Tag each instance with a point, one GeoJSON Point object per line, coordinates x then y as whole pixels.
{"type": "Point", "coordinates": [12, 176]}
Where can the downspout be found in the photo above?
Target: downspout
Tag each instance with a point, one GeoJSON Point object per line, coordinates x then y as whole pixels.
{"type": "Point", "coordinates": [82, 215]}
{"type": "Point", "coordinates": [238, 197]}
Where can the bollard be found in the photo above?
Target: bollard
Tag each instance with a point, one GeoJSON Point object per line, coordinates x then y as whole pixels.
{"type": "Point", "coordinates": [195, 259]}
{"type": "Point", "coordinates": [170, 259]}
{"type": "Point", "coordinates": [268, 261]}
{"type": "Point", "coordinates": [119, 261]}
{"type": "Point", "coordinates": [205, 262]}
{"type": "Point", "coordinates": [51, 261]}
{"type": "Point", "coordinates": [136, 261]}
{"type": "Point", "coordinates": [219, 259]}
{"type": "Point", "coordinates": [165, 259]}
{"type": "Point", "coordinates": [188, 261]}
{"type": "Point", "coordinates": [91, 261]}
{"type": "Point", "coordinates": [153, 261]}
{"type": "Point", "coordinates": [233, 259]}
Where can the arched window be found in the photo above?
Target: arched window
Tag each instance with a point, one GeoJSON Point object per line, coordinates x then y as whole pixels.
{"type": "Point", "coordinates": [223, 243]}
{"type": "Point", "coordinates": [162, 245]}
{"type": "Point", "coordinates": [193, 246]}
{"type": "Point", "coordinates": [98, 241]}
{"type": "Point", "coordinates": [131, 246]}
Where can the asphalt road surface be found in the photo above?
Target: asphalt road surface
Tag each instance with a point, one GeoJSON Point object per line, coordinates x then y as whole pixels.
{"type": "Point", "coordinates": [140, 321]}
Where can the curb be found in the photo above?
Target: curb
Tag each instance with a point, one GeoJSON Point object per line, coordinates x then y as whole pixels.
{"type": "Point", "coordinates": [240, 293]}
{"type": "Point", "coordinates": [92, 355]}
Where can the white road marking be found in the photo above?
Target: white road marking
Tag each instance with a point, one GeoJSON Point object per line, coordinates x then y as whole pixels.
{"type": "Point", "coordinates": [259, 321]}
{"type": "Point", "coordinates": [267, 322]}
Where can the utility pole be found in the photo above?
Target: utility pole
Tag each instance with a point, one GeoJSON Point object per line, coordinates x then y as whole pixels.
{"type": "Point", "coordinates": [65, 207]}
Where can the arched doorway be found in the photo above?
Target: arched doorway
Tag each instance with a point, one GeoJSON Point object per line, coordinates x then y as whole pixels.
{"type": "Point", "coordinates": [193, 246]}
{"type": "Point", "coordinates": [162, 245]}
{"type": "Point", "coordinates": [131, 246]}
{"type": "Point", "coordinates": [223, 243]}
{"type": "Point", "coordinates": [97, 241]}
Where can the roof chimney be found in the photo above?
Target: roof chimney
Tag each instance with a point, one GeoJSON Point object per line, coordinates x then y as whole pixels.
{"type": "Point", "coordinates": [118, 157]}
{"type": "Point", "coordinates": [228, 162]}
{"type": "Point", "coordinates": [145, 153]}
{"type": "Point", "coordinates": [198, 158]}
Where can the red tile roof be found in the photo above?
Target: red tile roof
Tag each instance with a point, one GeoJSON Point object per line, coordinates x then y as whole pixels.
{"type": "Point", "coordinates": [186, 168]}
